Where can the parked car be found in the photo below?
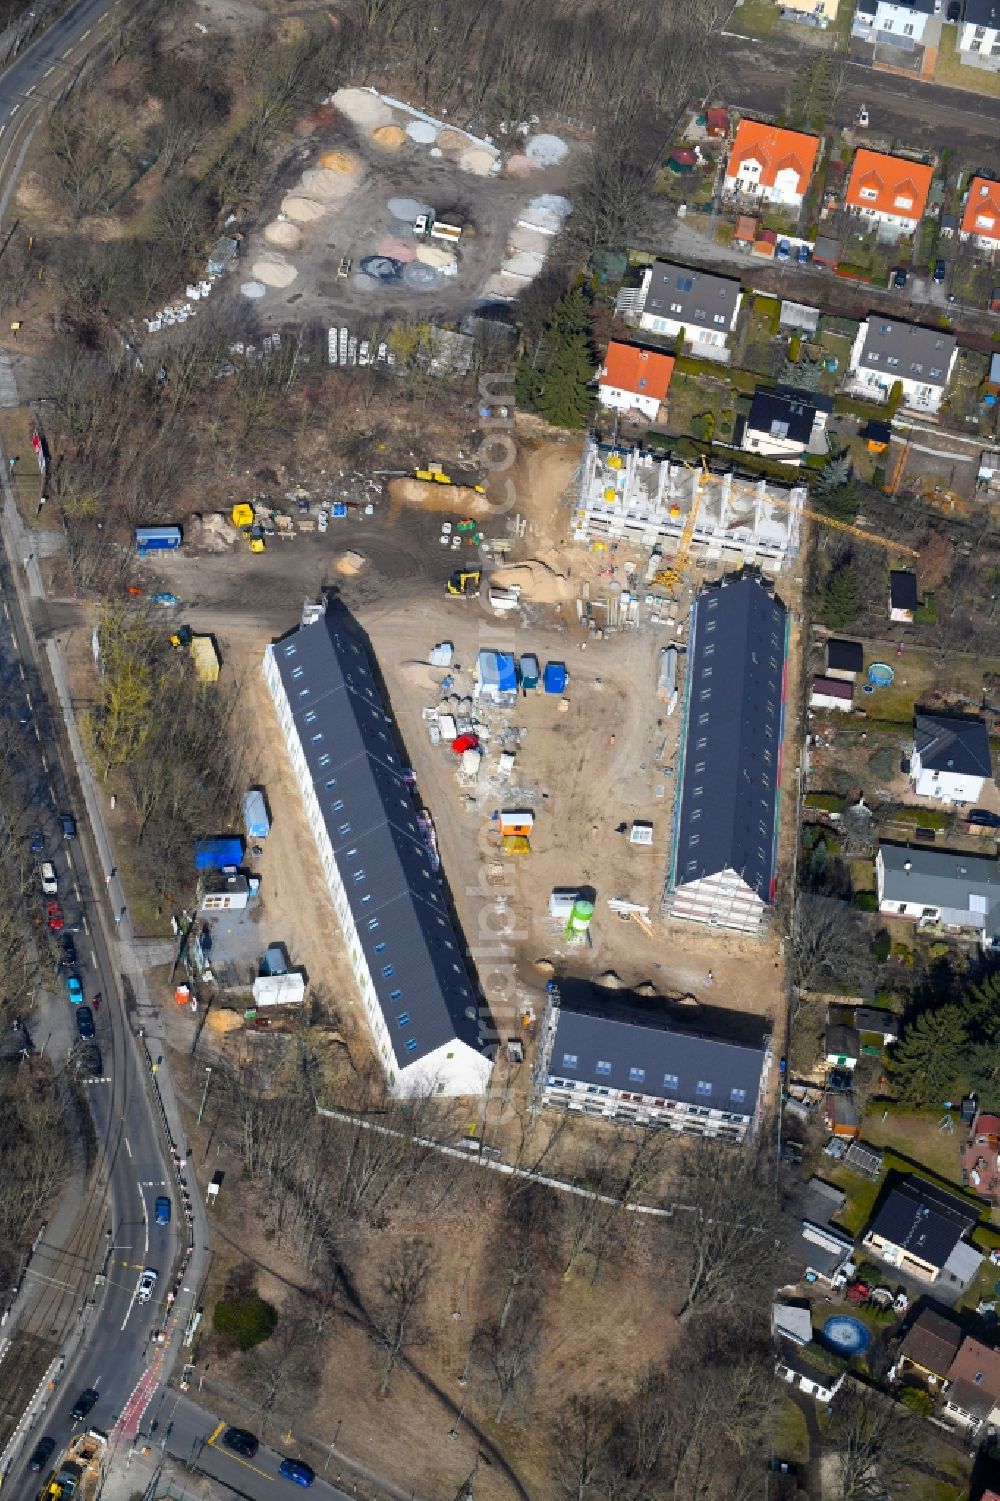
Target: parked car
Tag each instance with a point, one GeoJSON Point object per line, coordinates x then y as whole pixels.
{"type": "Point", "coordinates": [147, 1282]}
{"type": "Point", "coordinates": [984, 819]}
{"type": "Point", "coordinates": [783, 250]}
{"type": "Point", "coordinates": [90, 1061]}
{"type": "Point", "coordinates": [297, 1470]}
{"type": "Point", "coordinates": [241, 1441]}
{"type": "Point", "coordinates": [87, 1400]}
{"type": "Point", "coordinates": [161, 1211]}
{"type": "Point", "coordinates": [803, 255]}
{"type": "Point", "coordinates": [68, 948]}
{"type": "Point", "coordinates": [68, 825]}
{"type": "Point", "coordinates": [54, 917]}
{"type": "Point", "coordinates": [74, 989]}
{"type": "Point", "coordinates": [85, 1022]}
{"type": "Point", "coordinates": [322, 519]}
{"type": "Point", "coordinates": [50, 886]}
{"type": "Point", "coordinates": [37, 842]}
{"type": "Point", "coordinates": [898, 277]}
{"type": "Point", "coordinates": [940, 270]}
{"type": "Point", "coordinates": [44, 1450]}
{"type": "Point", "coordinates": [863, 117]}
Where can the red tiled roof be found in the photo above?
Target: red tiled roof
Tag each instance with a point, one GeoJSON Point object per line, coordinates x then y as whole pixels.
{"type": "Point", "coordinates": [978, 1366]}
{"type": "Point", "coordinates": [889, 185]}
{"type": "Point", "coordinates": [643, 372]}
{"type": "Point", "coordinates": [776, 150]}
{"type": "Point", "coordinates": [982, 209]}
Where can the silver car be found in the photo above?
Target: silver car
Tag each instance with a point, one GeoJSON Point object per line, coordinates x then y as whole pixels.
{"type": "Point", "coordinates": [147, 1282]}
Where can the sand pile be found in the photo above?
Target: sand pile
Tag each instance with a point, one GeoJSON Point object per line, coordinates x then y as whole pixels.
{"type": "Point", "coordinates": [224, 1021]}
{"type": "Point", "coordinates": [327, 186]}
{"type": "Point", "coordinates": [350, 564]}
{"type": "Point", "coordinates": [274, 272]}
{"type": "Point", "coordinates": [281, 232]}
{"type": "Point", "coordinates": [408, 209]}
{"type": "Point", "coordinates": [435, 255]}
{"type": "Point", "coordinates": [452, 141]}
{"type": "Point", "coordinates": [388, 137]}
{"type": "Point", "coordinates": [536, 581]}
{"type": "Point", "coordinates": [339, 161]}
{"type": "Point", "coordinates": [301, 210]}
{"type": "Point", "coordinates": [546, 150]}
{"type": "Point", "coordinates": [438, 497]}
{"type": "Point", "coordinates": [211, 532]}
{"type": "Point", "coordinates": [253, 289]}
{"type": "Point", "coordinates": [519, 166]}
{"type": "Point", "coordinates": [478, 160]}
{"type": "Point", "coordinates": [362, 108]}
{"type": "Point", "coordinates": [396, 249]}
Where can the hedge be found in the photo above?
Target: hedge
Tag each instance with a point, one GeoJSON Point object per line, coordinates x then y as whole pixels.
{"type": "Point", "coordinates": [246, 1321]}
{"type": "Point", "coordinates": [827, 802]}
{"type": "Point", "coordinates": [853, 407]}
{"type": "Point", "coordinates": [740, 380]}
{"type": "Point", "coordinates": [916, 818]}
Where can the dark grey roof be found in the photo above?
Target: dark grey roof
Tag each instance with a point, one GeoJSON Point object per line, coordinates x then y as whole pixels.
{"type": "Point", "coordinates": [925, 1220]}
{"type": "Point", "coordinates": [965, 887]}
{"type": "Point", "coordinates": [907, 351]}
{"type": "Point", "coordinates": [784, 413]}
{"type": "Point", "coordinates": [615, 1040]}
{"type": "Point", "coordinates": [792, 1358]}
{"type": "Point", "coordinates": [902, 589]}
{"type": "Point", "coordinates": [396, 897]}
{"type": "Point", "coordinates": [843, 1040]}
{"type": "Point", "coordinates": [726, 819]}
{"type": "Point", "coordinates": [950, 743]}
{"type": "Point", "coordinates": [844, 656]}
{"type": "Point", "coordinates": [826, 249]}
{"type": "Point", "coordinates": [982, 13]}
{"type": "Point", "coordinates": [695, 298]}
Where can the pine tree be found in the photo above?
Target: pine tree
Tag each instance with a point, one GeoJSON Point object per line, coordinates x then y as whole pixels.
{"type": "Point", "coordinates": [554, 379]}
{"type": "Point", "coordinates": [929, 1061]}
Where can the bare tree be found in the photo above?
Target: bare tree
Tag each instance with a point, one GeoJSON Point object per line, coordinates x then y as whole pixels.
{"type": "Point", "coordinates": [396, 1324]}
{"type": "Point", "coordinates": [726, 1223]}
{"type": "Point", "coordinates": [512, 1346]}
{"type": "Point", "coordinates": [874, 1443]}
{"type": "Point", "coordinates": [279, 1373]}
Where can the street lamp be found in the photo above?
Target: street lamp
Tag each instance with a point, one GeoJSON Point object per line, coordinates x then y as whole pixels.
{"type": "Point", "coordinates": [329, 1456]}
{"type": "Point", "coordinates": [204, 1093]}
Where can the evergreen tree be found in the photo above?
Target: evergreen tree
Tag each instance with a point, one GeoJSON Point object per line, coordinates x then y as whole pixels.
{"type": "Point", "coordinates": [928, 1063]}
{"type": "Point", "coordinates": [839, 597]}
{"type": "Point", "coordinates": [554, 378]}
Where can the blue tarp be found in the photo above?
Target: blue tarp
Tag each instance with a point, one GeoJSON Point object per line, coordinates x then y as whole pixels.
{"type": "Point", "coordinates": [555, 677]}
{"type": "Point", "coordinates": [497, 672]}
{"type": "Point", "coordinates": [213, 854]}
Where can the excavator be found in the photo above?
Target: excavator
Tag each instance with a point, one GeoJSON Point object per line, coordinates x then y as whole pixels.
{"type": "Point", "coordinates": [465, 582]}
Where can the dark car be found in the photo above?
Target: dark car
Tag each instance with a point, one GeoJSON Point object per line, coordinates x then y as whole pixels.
{"type": "Point", "coordinates": [69, 949]}
{"type": "Point", "coordinates": [803, 255]}
{"type": "Point", "coordinates": [85, 1022]}
{"type": "Point", "coordinates": [984, 818]}
{"type": "Point", "coordinates": [68, 825]}
{"type": "Point", "coordinates": [37, 848]}
{"type": "Point", "coordinates": [783, 251]}
{"type": "Point", "coordinates": [161, 1211]}
{"type": "Point", "coordinates": [44, 1450]}
{"type": "Point", "coordinates": [90, 1062]}
{"type": "Point", "coordinates": [241, 1441]}
{"type": "Point", "coordinates": [84, 1402]}
{"type": "Point", "coordinates": [939, 272]}
{"type": "Point", "coordinates": [297, 1470]}
{"type": "Point", "coordinates": [899, 277]}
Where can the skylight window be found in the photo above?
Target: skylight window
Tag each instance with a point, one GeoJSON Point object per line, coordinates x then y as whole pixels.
{"type": "Point", "coordinates": [603, 1067]}
{"type": "Point", "coordinates": [570, 1060]}
{"type": "Point", "coordinates": [637, 1075]}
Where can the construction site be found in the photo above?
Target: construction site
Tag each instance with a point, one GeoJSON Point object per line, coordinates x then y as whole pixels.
{"type": "Point", "coordinates": [78, 1473]}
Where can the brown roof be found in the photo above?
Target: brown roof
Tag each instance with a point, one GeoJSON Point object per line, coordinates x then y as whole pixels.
{"type": "Point", "coordinates": [932, 1343]}
{"type": "Point", "coordinates": [975, 1366]}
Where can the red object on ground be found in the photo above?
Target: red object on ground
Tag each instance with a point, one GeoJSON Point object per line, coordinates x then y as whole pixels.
{"type": "Point", "coordinates": [464, 743]}
{"type": "Point", "coordinates": [859, 1292]}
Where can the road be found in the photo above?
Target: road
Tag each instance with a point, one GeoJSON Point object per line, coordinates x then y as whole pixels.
{"type": "Point", "coordinates": [759, 73]}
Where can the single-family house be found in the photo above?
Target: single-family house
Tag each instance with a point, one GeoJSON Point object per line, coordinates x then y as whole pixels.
{"type": "Point", "coordinates": [819, 13]}
{"type": "Point", "coordinates": [794, 1366]}
{"type": "Point", "coordinates": [892, 23]}
{"type": "Point", "coordinates": [940, 888]}
{"type": "Point", "coordinates": [634, 381]}
{"type": "Point", "coordinates": [902, 595]}
{"type": "Point", "coordinates": [950, 760]}
{"type": "Point", "coordinates": [771, 164]}
{"type": "Point", "coordinates": [723, 865]}
{"type": "Point", "coordinates": [629, 1059]}
{"type": "Point", "coordinates": [919, 1229]}
{"type": "Point", "coordinates": [981, 1157]}
{"type": "Point", "coordinates": [706, 307]}
{"type": "Point", "coordinates": [886, 351]}
{"type": "Point", "coordinates": [889, 191]}
{"type": "Point", "coordinates": [821, 1247]}
{"type": "Point", "coordinates": [979, 34]}
{"type": "Point", "coordinates": [843, 1045]}
{"type": "Point", "coordinates": [844, 659]}
{"type": "Point", "coordinates": [831, 693]}
{"type": "Point", "coordinates": [973, 1394]}
{"type": "Point", "coordinates": [929, 1347]}
{"type": "Point", "coordinates": [981, 215]}
{"type": "Point", "coordinates": [877, 1029]}
{"type": "Point", "coordinates": [784, 424]}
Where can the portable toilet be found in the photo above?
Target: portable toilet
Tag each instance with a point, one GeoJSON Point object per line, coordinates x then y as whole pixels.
{"type": "Point", "coordinates": [555, 677]}
{"type": "Point", "coordinates": [529, 671]}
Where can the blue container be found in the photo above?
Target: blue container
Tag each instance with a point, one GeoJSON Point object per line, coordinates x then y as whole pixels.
{"type": "Point", "coordinates": [881, 674]}
{"type": "Point", "coordinates": [555, 677]}
{"type": "Point", "coordinates": [529, 670]}
{"type": "Point", "coordinates": [214, 854]}
{"type": "Point", "coordinates": [157, 538]}
{"type": "Point", "coordinates": [338, 509]}
{"type": "Point", "coordinates": [255, 819]}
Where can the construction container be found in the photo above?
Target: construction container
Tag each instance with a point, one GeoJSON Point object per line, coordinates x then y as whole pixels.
{"type": "Point", "coordinates": [205, 656]}
{"type": "Point", "coordinates": [555, 677]}
{"type": "Point", "coordinates": [529, 671]}
{"type": "Point", "coordinates": [216, 854]}
{"type": "Point", "coordinates": [242, 514]}
{"type": "Point", "coordinates": [157, 539]}
{"type": "Point", "coordinates": [561, 902]}
{"type": "Point", "coordinates": [255, 819]}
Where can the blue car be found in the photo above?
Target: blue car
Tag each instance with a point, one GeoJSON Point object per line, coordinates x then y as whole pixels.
{"type": "Point", "coordinates": [297, 1470]}
{"type": "Point", "coordinates": [74, 989]}
{"type": "Point", "coordinates": [784, 250]}
{"type": "Point", "coordinates": [169, 600]}
{"type": "Point", "coordinates": [803, 255]}
{"type": "Point", "coordinates": [37, 842]}
{"type": "Point", "coordinates": [161, 1210]}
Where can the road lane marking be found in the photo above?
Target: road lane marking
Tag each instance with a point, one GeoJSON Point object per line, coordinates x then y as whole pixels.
{"type": "Point", "coordinates": [230, 1455]}
{"type": "Point", "coordinates": [49, 70]}
{"type": "Point", "coordinates": [215, 1433]}
{"type": "Point", "coordinates": [127, 1147]}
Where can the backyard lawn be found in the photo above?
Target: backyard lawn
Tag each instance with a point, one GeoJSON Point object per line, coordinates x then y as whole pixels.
{"type": "Point", "coordinates": [951, 71]}
{"type": "Point", "coordinates": [790, 1440]}
{"type": "Point", "coordinates": [916, 1136]}
{"type": "Point", "coordinates": [918, 673]}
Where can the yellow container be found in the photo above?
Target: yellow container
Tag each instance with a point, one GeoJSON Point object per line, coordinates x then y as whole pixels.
{"type": "Point", "coordinates": [242, 514]}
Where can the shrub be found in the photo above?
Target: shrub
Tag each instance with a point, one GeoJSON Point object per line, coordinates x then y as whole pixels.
{"type": "Point", "coordinates": [795, 348]}
{"type": "Point", "coordinates": [926, 612]}
{"type": "Point", "coordinates": [827, 802]}
{"type": "Point", "coordinates": [902, 953]}
{"type": "Point", "coordinates": [916, 818]}
{"type": "Point", "coordinates": [245, 1322]}
{"type": "Point", "coordinates": [866, 901]}
{"type": "Point", "coordinates": [851, 406]}
{"type": "Point", "coordinates": [881, 946]}
{"type": "Point", "coordinates": [703, 426]}
{"type": "Point", "coordinates": [917, 1400]}
{"type": "Point", "coordinates": [895, 398]}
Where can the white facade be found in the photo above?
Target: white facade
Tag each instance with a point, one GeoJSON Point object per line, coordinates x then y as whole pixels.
{"type": "Point", "coordinates": [452, 1069]}
{"type": "Point", "coordinates": [710, 337]}
{"type": "Point", "coordinates": [723, 900]}
{"type": "Point", "coordinates": [979, 45]}
{"type": "Point", "coordinates": [629, 403]}
{"type": "Point", "coordinates": [785, 188]}
{"type": "Point", "coordinates": [818, 1384]}
{"type": "Point", "coordinates": [944, 786]}
{"type": "Point", "coordinates": [875, 383]}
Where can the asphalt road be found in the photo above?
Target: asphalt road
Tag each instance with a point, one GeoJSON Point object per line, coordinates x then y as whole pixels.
{"type": "Point", "coordinates": [758, 75]}
{"type": "Point", "coordinates": [194, 1436]}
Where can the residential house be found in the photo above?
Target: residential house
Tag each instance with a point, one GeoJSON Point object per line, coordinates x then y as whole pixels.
{"type": "Point", "coordinates": [792, 1321]}
{"type": "Point", "coordinates": [950, 760]}
{"type": "Point", "coordinates": [930, 1346]}
{"type": "Point", "coordinates": [800, 317]}
{"type": "Point", "coordinates": [981, 215]}
{"type": "Point", "coordinates": [724, 858]}
{"type": "Point", "coordinates": [981, 1158]}
{"type": "Point", "coordinates": [940, 889]}
{"type": "Point", "coordinates": [831, 693]}
{"type": "Point", "coordinates": [889, 191]}
{"type": "Point", "coordinates": [795, 1367]}
{"type": "Point", "coordinates": [770, 164]}
{"type": "Point", "coordinates": [820, 13]}
{"type": "Point", "coordinates": [973, 1394]}
{"type": "Point", "coordinates": [843, 1045]}
{"type": "Point", "coordinates": [784, 424]}
{"type": "Point", "coordinates": [706, 307]}
{"type": "Point", "coordinates": [630, 1059]}
{"type": "Point", "coordinates": [919, 1229]}
{"type": "Point", "coordinates": [406, 954]}
{"type": "Point", "coordinates": [844, 659]}
{"type": "Point", "coordinates": [902, 595]}
{"type": "Point", "coordinates": [886, 352]}
{"type": "Point", "coordinates": [821, 1247]}
{"type": "Point", "coordinates": [634, 381]}
{"type": "Point", "coordinates": [979, 34]}
{"type": "Point", "coordinates": [892, 23]}
{"type": "Point", "coordinates": [877, 1029]}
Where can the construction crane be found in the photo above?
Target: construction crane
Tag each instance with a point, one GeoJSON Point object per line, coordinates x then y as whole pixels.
{"type": "Point", "coordinates": [670, 577]}
{"type": "Point", "coordinates": [837, 526]}
{"type": "Point", "coordinates": [897, 472]}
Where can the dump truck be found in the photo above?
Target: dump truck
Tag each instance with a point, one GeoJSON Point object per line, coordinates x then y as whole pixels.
{"type": "Point", "coordinates": [77, 1475]}
{"type": "Point", "coordinates": [465, 582]}
{"type": "Point", "coordinates": [430, 227]}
